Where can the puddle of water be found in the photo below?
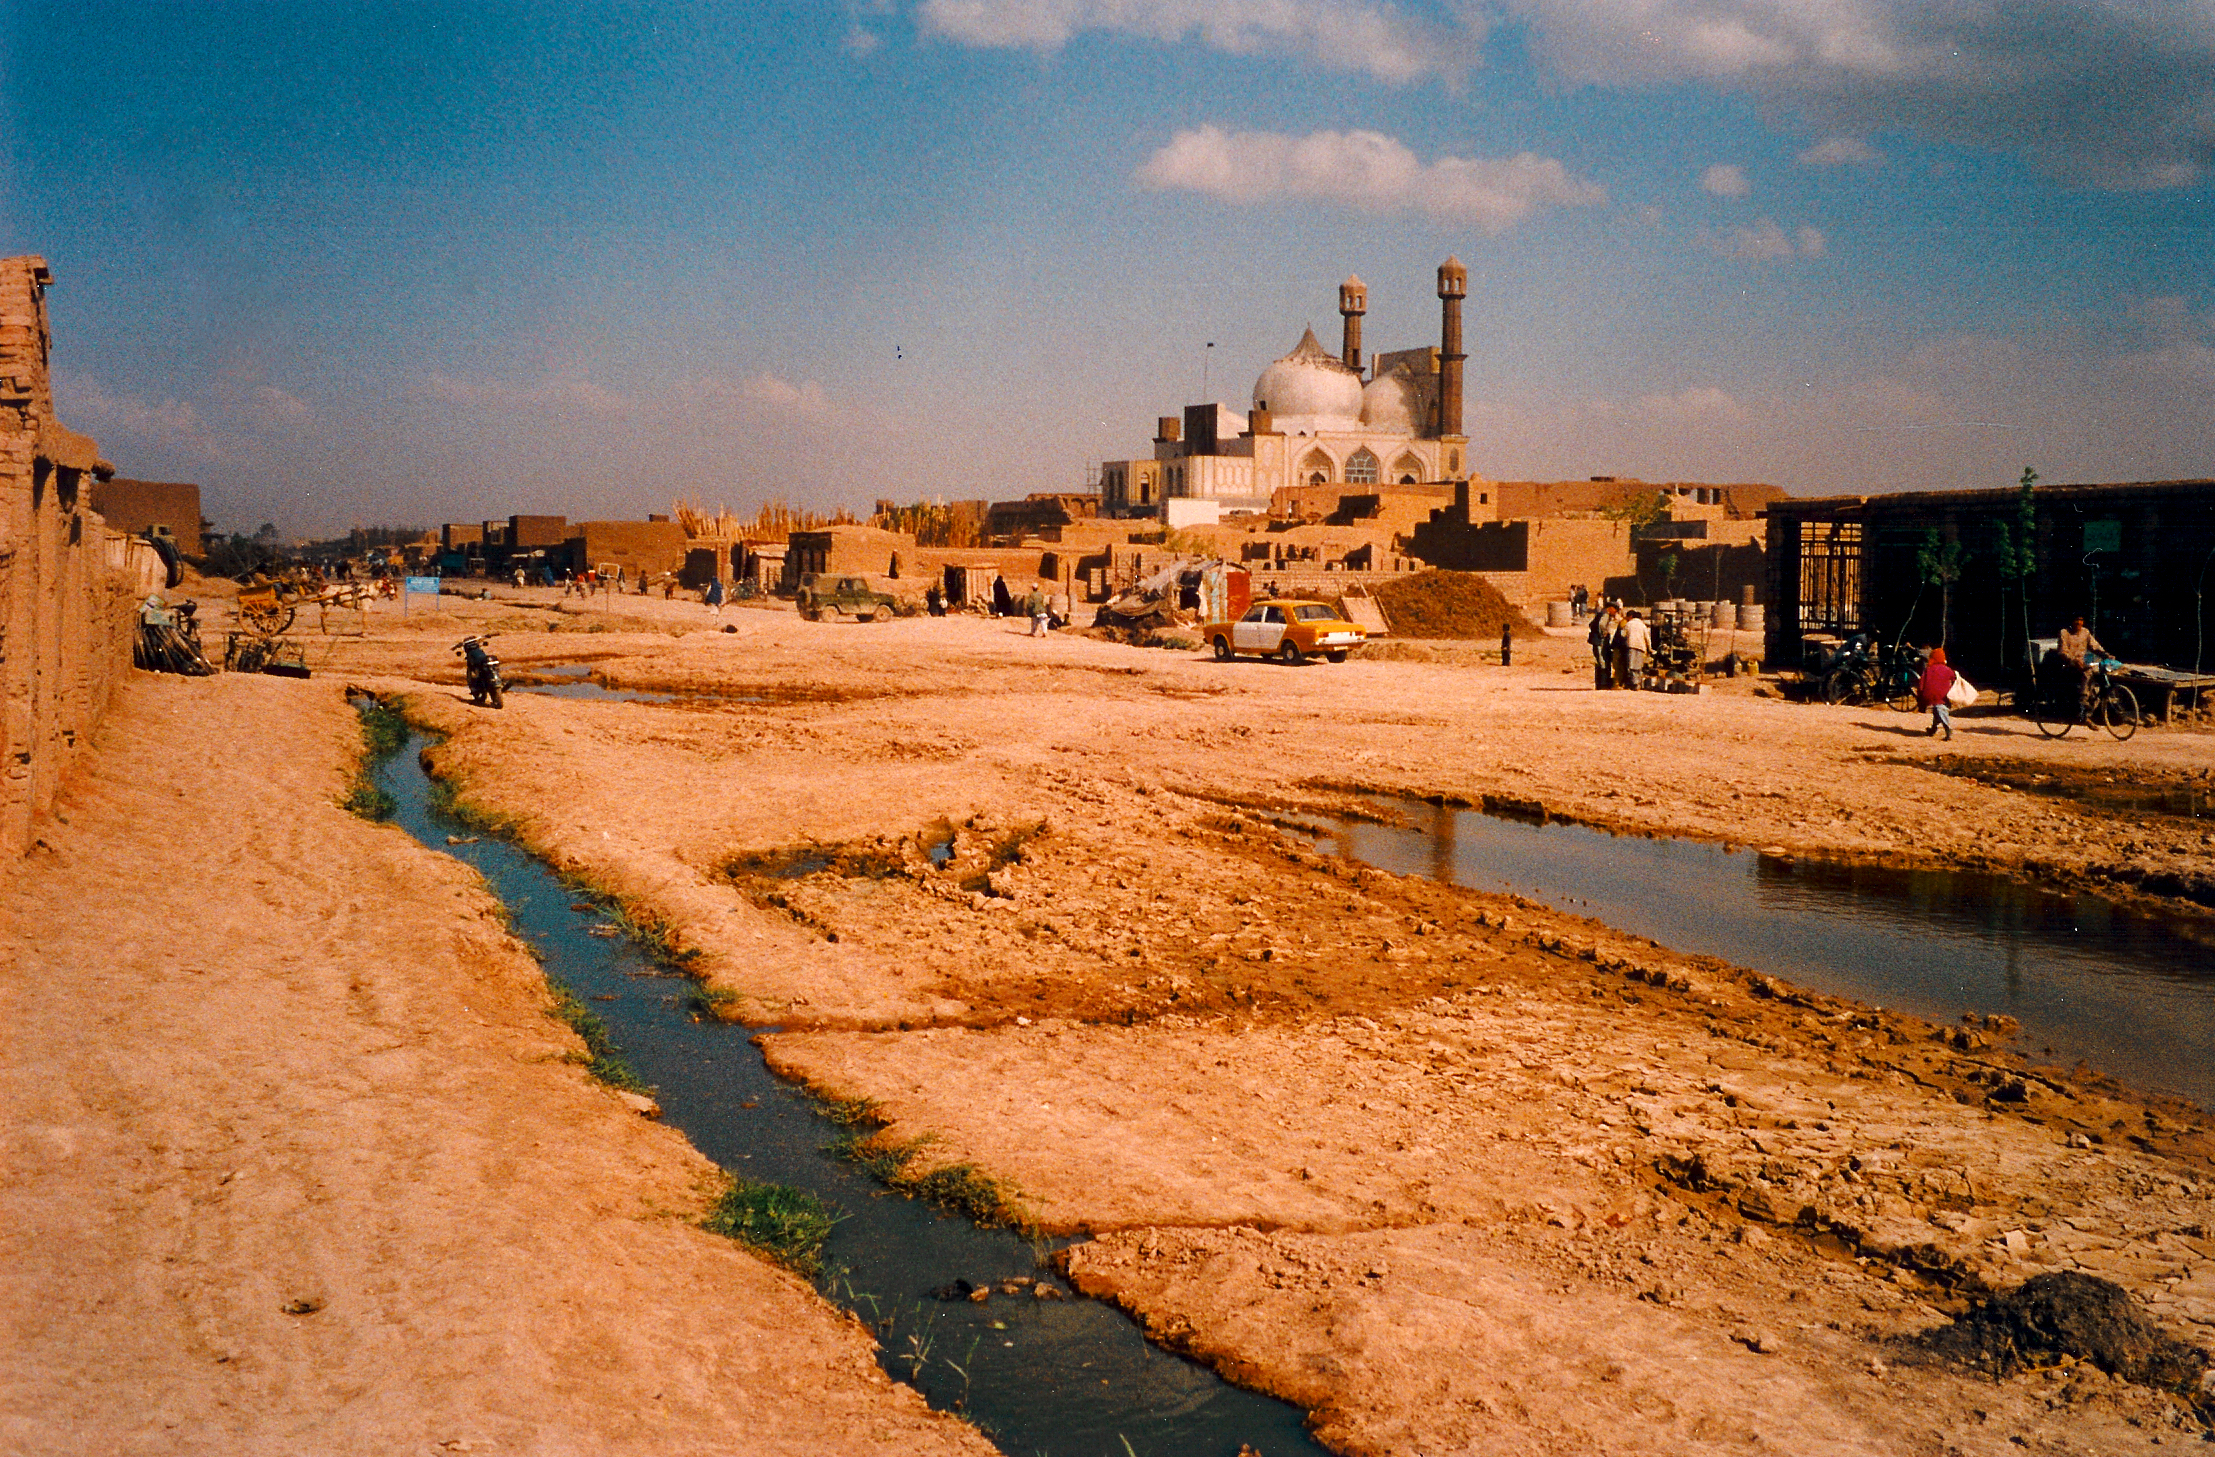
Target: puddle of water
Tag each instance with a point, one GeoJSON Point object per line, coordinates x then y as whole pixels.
{"type": "Point", "coordinates": [592, 690]}
{"type": "Point", "coordinates": [2133, 994]}
{"type": "Point", "coordinates": [940, 844]}
{"type": "Point", "coordinates": [1068, 1378]}
{"type": "Point", "coordinates": [582, 687]}
{"type": "Point", "coordinates": [2184, 803]}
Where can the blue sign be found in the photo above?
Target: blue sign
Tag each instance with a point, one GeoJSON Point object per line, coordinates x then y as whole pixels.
{"type": "Point", "coordinates": [428, 586]}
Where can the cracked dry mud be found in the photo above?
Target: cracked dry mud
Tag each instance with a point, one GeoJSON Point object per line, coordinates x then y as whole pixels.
{"type": "Point", "coordinates": [1453, 1171]}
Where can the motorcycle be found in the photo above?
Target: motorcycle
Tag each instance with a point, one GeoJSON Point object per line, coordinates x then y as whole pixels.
{"type": "Point", "coordinates": [484, 671]}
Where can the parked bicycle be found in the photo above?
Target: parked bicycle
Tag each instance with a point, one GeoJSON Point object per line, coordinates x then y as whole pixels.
{"type": "Point", "coordinates": [2064, 699]}
{"type": "Point", "coordinates": [1863, 674]}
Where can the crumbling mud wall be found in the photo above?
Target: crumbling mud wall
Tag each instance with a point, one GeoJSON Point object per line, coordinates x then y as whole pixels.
{"type": "Point", "coordinates": [67, 583]}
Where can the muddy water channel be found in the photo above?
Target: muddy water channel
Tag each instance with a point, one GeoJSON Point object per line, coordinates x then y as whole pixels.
{"type": "Point", "coordinates": [1066, 1378]}
{"type": "Point", "coordinates": [2132, 994]}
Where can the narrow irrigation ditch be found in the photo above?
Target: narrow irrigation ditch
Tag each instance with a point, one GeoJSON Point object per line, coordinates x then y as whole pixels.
{"type": "Point", "coordinates": [2130, 992]}
{"type": "Point", "coordinates": [1059, 1375]}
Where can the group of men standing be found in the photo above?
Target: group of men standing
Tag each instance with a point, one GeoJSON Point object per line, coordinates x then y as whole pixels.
{"type": "Point", "coordinates": [1621, 642]}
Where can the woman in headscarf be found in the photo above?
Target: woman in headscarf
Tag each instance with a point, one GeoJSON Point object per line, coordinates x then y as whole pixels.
{"type": "Point", "coordinates": [1937, 681]}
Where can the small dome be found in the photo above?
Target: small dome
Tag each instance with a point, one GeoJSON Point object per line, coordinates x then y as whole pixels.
{"type": "Point", "coordinates": [1394, 405]}
{"type": "Point", "coordinates": [1310, 387]}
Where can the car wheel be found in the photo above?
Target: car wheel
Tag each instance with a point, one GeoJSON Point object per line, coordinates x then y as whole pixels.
{"type": "Point", "coordinates": [1288, 652]}
{"type": "Point", "coordinates": [1223, 653]}
{"type": "Point", "coordinates": [1339, 656]}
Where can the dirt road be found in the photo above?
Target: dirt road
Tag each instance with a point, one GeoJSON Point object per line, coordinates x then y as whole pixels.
{"type": "Point", "coordinates": [295, 1161]}
{"type": "Point", "coordinates": [1456, 1172]}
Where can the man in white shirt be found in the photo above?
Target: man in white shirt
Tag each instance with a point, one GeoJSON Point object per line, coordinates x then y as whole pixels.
{"type": "Point", "coordinates": [1637, 642]}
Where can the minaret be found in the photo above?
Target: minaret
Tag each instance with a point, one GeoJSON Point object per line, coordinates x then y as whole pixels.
{"type": "Point", "coordinates": [1353, 302]}
{"type": "Point", "coordinates": [1453, 286]}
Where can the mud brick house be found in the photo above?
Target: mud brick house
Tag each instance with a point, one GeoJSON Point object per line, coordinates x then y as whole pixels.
{"type": "Point", "coordinates": [68, 584]}
{"type": "Point", "coordinates": [845, 551]}
{"type": "Point", "coordinates": [1528, 560]}
{"type": "Point", "coordinates": [132, 507]}
{"type": "Point", "coordinates": [522, 538]}
{"type": "Point", "coordinates": [1042, 514]}
{"type": "Point", "coordinates": [2135, 559]}
{"type": "Point", "coordinates": [648, 547]}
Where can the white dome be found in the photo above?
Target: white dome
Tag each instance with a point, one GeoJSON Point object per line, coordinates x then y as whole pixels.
{"type": "Point", "coordinates": [1310, 388]}
{"type": "Point", "coordinates": [1392, 405]}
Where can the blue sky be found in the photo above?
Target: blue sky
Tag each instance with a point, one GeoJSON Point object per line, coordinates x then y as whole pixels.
{"type": "Point", "coordinates": [376, 263]}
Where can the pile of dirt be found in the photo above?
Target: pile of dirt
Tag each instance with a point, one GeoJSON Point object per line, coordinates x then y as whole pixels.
{"type": "Point", "coordinates": [2064, 1313]}
{"type": "Point", "coordinates": [1451, 604]}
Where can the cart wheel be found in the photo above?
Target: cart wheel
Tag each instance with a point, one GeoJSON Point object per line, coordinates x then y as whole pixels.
{"type": "Point", "coordinates": [268, 621]}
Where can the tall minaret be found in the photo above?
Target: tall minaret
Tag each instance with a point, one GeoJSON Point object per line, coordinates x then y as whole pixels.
{"type": "Point", "coordinates": [1453, 286]}
{"type": "Point", "coordinates": [1353, 302]}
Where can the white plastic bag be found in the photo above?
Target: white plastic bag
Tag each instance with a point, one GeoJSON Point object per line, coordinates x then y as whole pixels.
{"type": "Point", "coordinates": [1962, 694]}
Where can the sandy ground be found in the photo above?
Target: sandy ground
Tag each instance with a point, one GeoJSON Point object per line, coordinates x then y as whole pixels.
{"type": "Point", "coordinates": [294, 1162]}
{"type": "Point", "coordinates": [1455, 1172]}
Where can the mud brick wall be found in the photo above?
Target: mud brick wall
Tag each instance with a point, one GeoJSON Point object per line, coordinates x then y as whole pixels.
{"type": "Point", "coordinates": [67, 583]}
{"type": "Point", "coordinates": [132, 506]}
{"type": "Point", "coordinates": [652, 547]}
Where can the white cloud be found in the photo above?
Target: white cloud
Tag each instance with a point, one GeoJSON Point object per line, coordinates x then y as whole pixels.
{"type": "Point", "coordinates": [1366, 170]}
{"type": "Point", "coordinates": [1840, 152]}
{"type": "Point", "coordinates": [272, 409]}
{"type": "Point", "coordinates": [2168, 319]}
{"type": "Point", "coordinates": [761, 395]}
{"type": "Point", "coordinates": [83, 403]}
{"type": "Point", "coordinates": [1352, 35]}
{"type": "Point", "coordinates": [1704, 403]}
{"type": "Point", "coordinates": [805, 398]}
{"type": "Point", "coordinates": [1725, 180]}
{"type": "Point", "coordinates": [564, 396]}
{"type": "Point", "coordinates": [1763, 241]}
{"type": "Point", "coordinates": [2107, 92]}
{"type": "Point", "coordinates": [2187, 370]}
{"type": "Point", "coordinates": [862, 42]}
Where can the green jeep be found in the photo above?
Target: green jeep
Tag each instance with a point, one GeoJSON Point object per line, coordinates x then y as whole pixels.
{"type": "Point", "coordinates": [825, 597]}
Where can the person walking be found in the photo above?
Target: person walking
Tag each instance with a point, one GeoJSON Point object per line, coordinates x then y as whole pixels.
{"type": "Point", "coordinates": [1637, 640]}
{"type": "Point", "coordinates": [1035, 605]}
{"type": "Point", "coordinates": [1599, 634]}
{"type": "Point", "coordinates": [714, 597]}
{"type": "Point", "coordinates": [1931, 690]}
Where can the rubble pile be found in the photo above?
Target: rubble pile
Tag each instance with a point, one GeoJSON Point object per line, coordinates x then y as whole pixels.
{"type": "Point", "coordinates": [1451, 605]}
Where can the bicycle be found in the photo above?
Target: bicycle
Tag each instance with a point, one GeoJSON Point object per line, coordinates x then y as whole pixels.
{"type": "Point", "coordinates": [2066, 701]}
{"type": "Point", "coordinates": [1865, 677]}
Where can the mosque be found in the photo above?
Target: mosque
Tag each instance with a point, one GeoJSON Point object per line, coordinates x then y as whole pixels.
{"type": "Point", "coordinates": [1317, 420]}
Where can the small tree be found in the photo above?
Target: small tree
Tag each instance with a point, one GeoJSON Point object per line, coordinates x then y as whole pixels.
{"type": "Point", "coordinates": [1642, 508]}
{"type": "Point", "coordinates": [1938, 562]}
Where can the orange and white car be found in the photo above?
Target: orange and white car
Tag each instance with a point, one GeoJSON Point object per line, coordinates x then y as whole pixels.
{"type": "Point", "coordinates": [1288, 629]}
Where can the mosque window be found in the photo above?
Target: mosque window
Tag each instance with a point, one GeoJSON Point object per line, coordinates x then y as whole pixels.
{"type": "Point", "coordinates": [1409, 468]}
{"type": "Point", "coordinates": [1361, 468]}
{"type": "Point", "coordinates": [1317, 468]}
